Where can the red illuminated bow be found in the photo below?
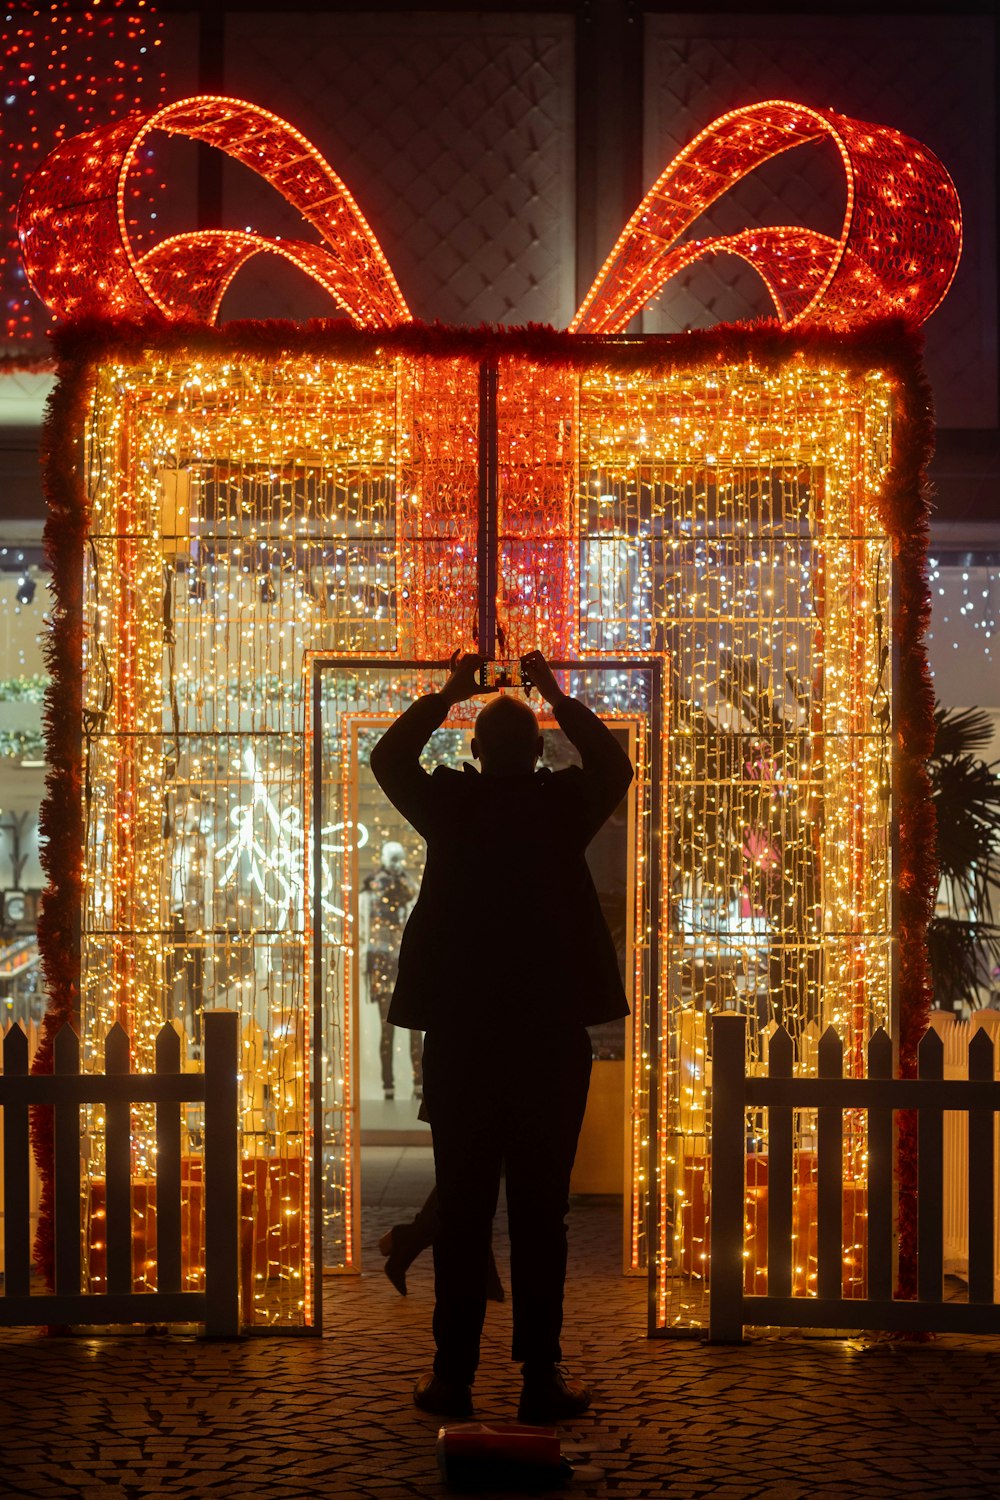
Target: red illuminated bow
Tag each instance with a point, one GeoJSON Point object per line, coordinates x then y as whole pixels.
{"type": "Point", "coordinates": [896, 254]}
{"type": "Point", "coordinates": [898, 248]}
{"type": "Point", "coordinates": [79, 257]}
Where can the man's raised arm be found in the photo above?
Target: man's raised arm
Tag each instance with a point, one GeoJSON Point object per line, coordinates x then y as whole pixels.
{"type": "Point", "coordinates": [395, 760]}
{"type": "Point", "coordinates": [607, 769]}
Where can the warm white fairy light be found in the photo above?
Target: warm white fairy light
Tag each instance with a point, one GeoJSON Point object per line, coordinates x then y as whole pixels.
{"type": "Point", "coordinates": [246, 515]}
{"type": "Point", "coordinates": [241, 516]}
{"type": "Point", "coordinates": [735, 513]}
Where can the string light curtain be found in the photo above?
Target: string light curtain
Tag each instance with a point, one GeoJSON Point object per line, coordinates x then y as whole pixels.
{"type": "Point", "coordinates": [728, 512]}
{"type": "Point", "coordinates": [240, 516]}
{"type": "Point", "coordinates": [728, 516]}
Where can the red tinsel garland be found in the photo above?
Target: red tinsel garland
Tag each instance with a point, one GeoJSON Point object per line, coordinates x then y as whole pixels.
{"type": "Point", "coordinates": [60, 820]}
{"type": "Point", "coordinates": [904, 505]}
{"type": "Point", "coordinates": [890, 346]}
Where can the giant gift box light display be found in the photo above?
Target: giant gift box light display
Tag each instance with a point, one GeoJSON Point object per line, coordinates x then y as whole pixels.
{"type": "Point", "coordinates": [277, 531]}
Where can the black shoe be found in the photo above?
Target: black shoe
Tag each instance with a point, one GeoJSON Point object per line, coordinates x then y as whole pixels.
{"type": "Point", "coordinates": [390, 1093]}
{"type": "Point", "coordinates": [547, 1396]}
{"type": "Point", "coordinates": [445, 1398]}
{"type": "Point", "coordinates": [397, 1263]}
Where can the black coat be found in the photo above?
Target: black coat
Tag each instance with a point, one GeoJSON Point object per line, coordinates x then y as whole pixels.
{"type": "Point", "coordinates": [508, 924]}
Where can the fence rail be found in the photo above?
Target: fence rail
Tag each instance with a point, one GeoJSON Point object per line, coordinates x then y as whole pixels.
{"type": "Point", "coordinates": [118, 1089]}
{"type": "Point", "coordinates": [830, 1094]}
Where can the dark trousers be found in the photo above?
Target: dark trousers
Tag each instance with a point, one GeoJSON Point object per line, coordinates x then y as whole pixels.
{"type": "Point", "coordinates": [382, 968]}
{"type": "Point", "coordinates": [499, 1101]}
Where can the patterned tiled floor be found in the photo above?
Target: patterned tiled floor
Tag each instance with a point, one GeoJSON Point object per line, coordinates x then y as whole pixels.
{"type": "Point", "coordinates": [149, 1416]}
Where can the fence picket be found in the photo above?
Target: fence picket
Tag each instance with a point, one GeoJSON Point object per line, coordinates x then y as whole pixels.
{"type": "Point", "coordinates": [16, 1170]}
{"type": "Point", "coordinates": [982, 1185]}
{"type": "Point", "coordinates": [728, 1176]}
{"type": "Point", "coordinates": [222, 1174]}
{"type": "Point", "coordinates": [880, 1205]}
{"type": "Point", "coordinates": [168, 1169]}
{"type": "Point", "coordinates": [779, 1173]}
{"type": "Point", "coordinates": [118, 1160]}
{"type": "Point", "coordinates": [66, 1166]}
{"type": "Point", "coordinates": [829, 1175]}
{"type": "Point", "coordinates": [930, 1176]}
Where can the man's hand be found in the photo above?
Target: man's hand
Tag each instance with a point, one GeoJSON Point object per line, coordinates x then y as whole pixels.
{"type": "Point", "coordinates": [538, 672]}
{"type": "Point", "coordinates": [463, 682]}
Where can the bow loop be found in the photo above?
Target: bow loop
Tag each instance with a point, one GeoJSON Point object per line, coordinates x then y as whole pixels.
{"type": "Point", "coordinates": [896, 254]}
{"type": "Point", "coordinates": [80, 259]}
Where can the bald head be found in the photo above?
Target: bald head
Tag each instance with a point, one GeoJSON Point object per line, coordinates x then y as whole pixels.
{"type": "Point", "coordinates": [506, 739]}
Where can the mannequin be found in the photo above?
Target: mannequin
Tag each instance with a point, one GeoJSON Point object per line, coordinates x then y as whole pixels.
{"type": "Point", "coordinates": [390, 895]}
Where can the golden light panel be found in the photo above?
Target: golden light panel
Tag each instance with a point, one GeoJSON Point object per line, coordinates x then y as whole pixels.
{"type": "Point", "coordinates": [255, 516]}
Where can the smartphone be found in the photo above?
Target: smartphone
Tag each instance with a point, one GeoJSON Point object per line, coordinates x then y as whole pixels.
{"type": "Point", "coordinates": [502, 674]}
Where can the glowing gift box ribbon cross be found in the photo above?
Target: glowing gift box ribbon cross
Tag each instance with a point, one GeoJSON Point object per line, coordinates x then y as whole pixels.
{"type": "Point", "coordinates": [896, 253]}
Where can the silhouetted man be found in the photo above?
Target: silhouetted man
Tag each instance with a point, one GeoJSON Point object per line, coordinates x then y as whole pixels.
{"type": "Point", "coordinates": [505, 959]}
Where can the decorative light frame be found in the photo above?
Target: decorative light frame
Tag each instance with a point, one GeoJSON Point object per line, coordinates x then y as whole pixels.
{"type": "Point", "coordinates": [604, 379]}
{"type": "Point", "coordinates": [495, 526]}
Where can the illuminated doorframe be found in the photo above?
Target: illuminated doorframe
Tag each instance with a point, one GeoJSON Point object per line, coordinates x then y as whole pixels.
{"type": "Point", "coordinates": [646, 1063]}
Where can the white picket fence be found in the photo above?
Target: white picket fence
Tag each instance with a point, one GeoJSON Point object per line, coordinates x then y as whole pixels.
{"type": "Point", "coordinates": [167, 1089]}
{"type": "Point", "coordinates": [976, 1096]}
{"type": "Point", "coordinates": [956, 1036]}
{"type": "Point", "coordinates": [33, 1032]}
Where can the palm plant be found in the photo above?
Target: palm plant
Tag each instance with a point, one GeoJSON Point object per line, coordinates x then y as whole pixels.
{"type": "Point", "coordinates": [964, 937]}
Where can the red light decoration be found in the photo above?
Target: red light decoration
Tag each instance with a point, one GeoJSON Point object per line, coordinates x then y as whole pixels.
{"type": "Point", "coordinates": [80, 258]}
{"type": "Point", "coordinates": [898, 248]}
{"type": "Point", "coordinates": [896, 254]}
{"type": "Point", "coordinates": [613, 461]}
{"type": "Point", "coordinates": [67, 67]}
